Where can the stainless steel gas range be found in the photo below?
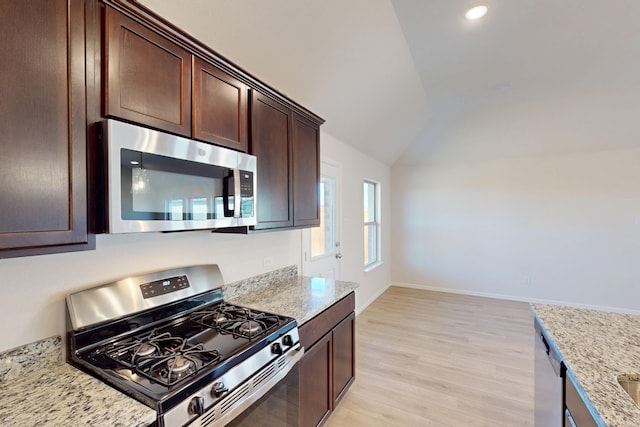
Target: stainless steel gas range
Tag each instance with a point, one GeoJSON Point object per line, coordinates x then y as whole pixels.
{"type": "Point", "coordinates": [169, 340]}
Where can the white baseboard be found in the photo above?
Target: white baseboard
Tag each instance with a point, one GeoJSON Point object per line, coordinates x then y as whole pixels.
{"type": "Point", "coordinates": [514, 298]}
{"type": "Point", "coordinates": [360, 308]}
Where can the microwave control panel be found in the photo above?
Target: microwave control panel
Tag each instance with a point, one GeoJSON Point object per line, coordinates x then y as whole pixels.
{"type": "Point", "coordinates": [246, 194]}
{"type": "Point", "coordinates": [246, 184]}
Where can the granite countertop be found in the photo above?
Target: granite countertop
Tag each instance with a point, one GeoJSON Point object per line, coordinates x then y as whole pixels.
{"type": "Point", "coordinates": [299, 297]}
{"type": "Point", "coordinates": [598, 346]}
{"type": "Point", "coordinates": [65, 396]}
{"type": "Point", "coordinates": [38, 389]}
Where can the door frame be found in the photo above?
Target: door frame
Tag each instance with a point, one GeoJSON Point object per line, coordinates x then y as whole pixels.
{"type": "Point", "coordinates": [306, 233]}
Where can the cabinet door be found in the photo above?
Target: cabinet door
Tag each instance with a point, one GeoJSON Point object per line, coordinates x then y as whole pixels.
{"type": "Point", "coordinates": [315, 383]}
{"type": "Point", "coordinates": [344, 370]}
{"type": "Point", "coordinates": [43, 120]}
{"type": "Point", "coordinates": [306, 172]}
{"type": "Point", "coordinates": [271, 144]}
{"type": "Point", "coordinates": [220, 107]}
{"type": "Point", "coordinates": [148, 78]}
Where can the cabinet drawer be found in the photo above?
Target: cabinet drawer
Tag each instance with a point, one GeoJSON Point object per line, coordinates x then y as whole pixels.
{"type": "Point", "coordinates": [314, 329]}
{"type": "Point", "coordinates": [576, 406]}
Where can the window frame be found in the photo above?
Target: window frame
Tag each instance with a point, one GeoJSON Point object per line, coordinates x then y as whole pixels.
{"type": "Point", "coordinates": [376, 223]}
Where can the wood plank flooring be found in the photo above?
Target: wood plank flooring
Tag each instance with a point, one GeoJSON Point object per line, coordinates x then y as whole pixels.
{"type": "Point", "coordinates": [435, 359]}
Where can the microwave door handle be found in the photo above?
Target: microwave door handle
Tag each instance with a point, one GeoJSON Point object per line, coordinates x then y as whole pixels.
{"type": "Point", "coordinates": [236, 193]}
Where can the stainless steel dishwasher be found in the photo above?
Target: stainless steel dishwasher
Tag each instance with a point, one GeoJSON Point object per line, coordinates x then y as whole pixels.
{"type": "Point", "coordinates": [548, 381]}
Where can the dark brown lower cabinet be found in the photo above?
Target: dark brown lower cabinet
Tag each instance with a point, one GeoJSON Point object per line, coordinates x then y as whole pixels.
{"type": "Point", "coordinates": [343, 357]}
{"type": "Point", "coordinates": [328, 366]}
{"type": "Point", "coordinates": [315, 380]}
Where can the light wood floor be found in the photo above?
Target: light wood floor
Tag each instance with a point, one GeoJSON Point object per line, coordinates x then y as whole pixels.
{"type": "Point", "coordinates": [435, 359]}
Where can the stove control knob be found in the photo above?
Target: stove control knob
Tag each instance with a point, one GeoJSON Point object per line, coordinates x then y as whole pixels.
{"type": "Point", "coordinates": [196, 406]}
{"type": "Point", "coordinates": [276, 348]}
{"type": "Point", "coordinates": [218, 388]}
{"type": "Point", "coordinates": [287, 340]}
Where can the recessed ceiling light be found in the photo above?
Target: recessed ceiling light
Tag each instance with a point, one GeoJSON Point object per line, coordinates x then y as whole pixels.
{"type": "Point", "coordinates": [476, 12]}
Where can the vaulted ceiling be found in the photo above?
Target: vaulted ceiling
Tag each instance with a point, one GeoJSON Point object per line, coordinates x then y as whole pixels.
{"type": "Point", "coordinates": [412, 81]}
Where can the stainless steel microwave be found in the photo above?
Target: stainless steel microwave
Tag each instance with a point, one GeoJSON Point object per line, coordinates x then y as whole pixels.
{"type": "Point", "coordinates": [161, 182]}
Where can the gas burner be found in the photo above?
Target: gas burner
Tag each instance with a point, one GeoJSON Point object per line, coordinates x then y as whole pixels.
{"type": "Point", "coordinates": [220, 319]}
{"type": "Point", "coordinates": [171, 368]}
{"type": "Point", "coordinates": [146, 349]}
{"type": "Point", "coordinates": [134, 350]}
{"type": "Point", "coordinates": [238, 321]}
{"type": "Point", "coordinates": [250, 328]}
{"type": "Point", "coordinates": [162, 357]}
{"type": "Point", "coordinates": [179, 364]}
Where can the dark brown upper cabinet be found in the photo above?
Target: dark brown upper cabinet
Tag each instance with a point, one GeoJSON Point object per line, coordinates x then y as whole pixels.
{"type": "Point", "coordinates": [148, 78]}
{"type": "Point", "coordinates": [287, 146]}
{"type": "Point", "coordinates": [306, 171]}
{"type": "Point", "coordinates": [43, 169]}
{"type": "Point", "coordinates": [220, 107]}
{"type": "Point", "coordinates": [156, 75]}
{"type": "Point", "coordinates": [271, 128]}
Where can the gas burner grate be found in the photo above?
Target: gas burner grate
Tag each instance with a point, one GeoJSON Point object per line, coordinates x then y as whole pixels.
{"type": "Point", "coordinates": [238, 321]}
{"type": "Point", "coordinates": [162, 357]}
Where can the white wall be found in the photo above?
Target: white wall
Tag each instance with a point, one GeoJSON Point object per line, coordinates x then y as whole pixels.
{"type": "Point", "coordinates": [346, 61]}
{"type": "Point", "coordinates": [561, 228]}
{"type": "Point", "coordinates": [355, 167]}
{"type": "Point", "coordinates": [33, 288]}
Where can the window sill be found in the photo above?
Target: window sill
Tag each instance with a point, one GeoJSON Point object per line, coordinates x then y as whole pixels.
{"type": "Point", "coordinates": [373, 266]}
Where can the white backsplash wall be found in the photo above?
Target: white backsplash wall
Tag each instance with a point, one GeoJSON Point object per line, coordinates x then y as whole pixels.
{"type": "Point", "coordinates": [560, 228]}
{"type": "Point", "coordinates": [33, 288]}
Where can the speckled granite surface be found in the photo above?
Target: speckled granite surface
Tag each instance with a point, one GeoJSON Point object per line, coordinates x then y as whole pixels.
{"type": "Point", "coordinates": [598, 346]}
{"type": "Point", "coordinates": [255, 283]}
{"type": "Point", "coordinates": [298, 297]}
{"type": "Point", "coordinates": [65, 396]}
{"type": "Point", "coordinates": [38, 389]}
{"type": "Point", "coordinates": [29, 358]}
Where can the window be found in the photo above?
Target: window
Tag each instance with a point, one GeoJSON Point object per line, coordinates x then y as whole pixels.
{"type": "Point", "coordinates": [199, 208]}
{"type": "Point", "coordinates": [174, 209]}
{"type": "Point", "coordinates": [371, 223]}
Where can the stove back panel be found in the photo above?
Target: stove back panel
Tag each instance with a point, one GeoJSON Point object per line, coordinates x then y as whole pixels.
{"type": "Point", "coordinates": [135, 294]}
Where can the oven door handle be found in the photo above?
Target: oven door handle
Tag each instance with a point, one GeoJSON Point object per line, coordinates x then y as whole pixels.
{"type": "Point", "coordinates": [292, 357]}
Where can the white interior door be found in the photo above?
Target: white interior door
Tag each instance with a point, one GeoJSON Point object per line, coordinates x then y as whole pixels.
{"type": "Point", "coordinates": [321, 245]}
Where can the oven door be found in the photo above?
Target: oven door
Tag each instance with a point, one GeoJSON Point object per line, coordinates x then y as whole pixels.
{"type": "Point", "coordinates": [277, 408]}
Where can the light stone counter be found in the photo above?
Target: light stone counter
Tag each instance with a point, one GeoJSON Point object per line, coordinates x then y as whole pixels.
{"type": "Point", "coordinates": [295, 296]}
{"type": "Point", "coordinates": [38, 389]}
{"type": "Point", "coordinates": [598, 346]}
